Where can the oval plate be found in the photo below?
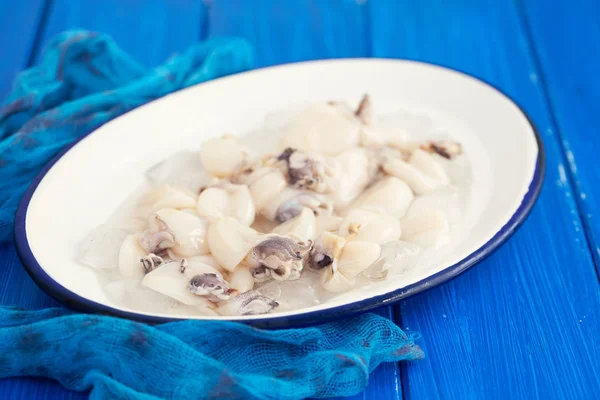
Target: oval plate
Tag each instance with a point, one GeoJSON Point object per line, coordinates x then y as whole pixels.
{"type": "Point", "coordinates": [84, 184]}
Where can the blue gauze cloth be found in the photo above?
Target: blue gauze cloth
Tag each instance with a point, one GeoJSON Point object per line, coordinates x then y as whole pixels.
{"type": "Point", "coordinates": [82, 81]}
{"type": "Point", "coordinates": [122, 359]}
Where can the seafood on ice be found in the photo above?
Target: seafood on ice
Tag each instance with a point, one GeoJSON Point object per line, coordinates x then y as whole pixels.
{"type": "Point", "coordinates": [343, 198]}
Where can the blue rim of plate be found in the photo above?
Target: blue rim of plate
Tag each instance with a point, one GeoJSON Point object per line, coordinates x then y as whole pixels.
{"type": "Point", "coordinates": [76, 302]}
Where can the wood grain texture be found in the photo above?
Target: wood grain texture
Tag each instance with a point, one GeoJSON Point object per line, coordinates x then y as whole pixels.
{"type": "Point", "coordinates": [296, 30]}
{"type": "Point", "coordinates": [524, 323]}
{"type": "Point", "coordinates": [149, 30]}
{"type": "Point", "coordinates": [564, 40]}
{"type": "Point", "coordinates": [18, 28]}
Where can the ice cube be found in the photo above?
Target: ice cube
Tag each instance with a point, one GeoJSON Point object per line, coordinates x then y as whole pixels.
{"type": "Point", "coordinates": [448, 200]}
{"type": "Point", "coordinates": [418, 126]}
{"type": "Point", "coordinates": [396, 257]}
{"type": "Point", "coordinates": [100, 249]}
{"type": "Point", "coordinates": [293, 295]}
{"type": "Point", "coordinates": [183, 169]}
{"type": "Point", "coordinates": [133, 295]}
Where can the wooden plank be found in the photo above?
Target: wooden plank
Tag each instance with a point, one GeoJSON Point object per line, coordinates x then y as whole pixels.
{"type": "Point", "coordinates": [294, 30]}
{"type": "Point", "coordinates": [565, 43]}
{"type": "Point", "coordinates": [291, 31]}
{"type": "Point", "coordinates": [151, 31]}
{"type": "Point", "coordinates": [524, 323]}
{"type": "Point", "coordinates": [19, 21]}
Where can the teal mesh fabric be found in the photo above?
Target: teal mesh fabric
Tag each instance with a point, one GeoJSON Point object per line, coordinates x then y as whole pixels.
{"type": "Point", "coordinates": [82, 81]}
{"type": "Point", "coordinates": [121, 359]}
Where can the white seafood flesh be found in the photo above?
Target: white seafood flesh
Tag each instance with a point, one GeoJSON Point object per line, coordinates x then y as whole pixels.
{"type": "Point", "coordinates": [422, 172]}
{"type": "Point", "coordinates": [281, 255]}
{"type": "Point", "coordinates": [290, 203]}
{"type": "Point", "coordinates": [265, 184]}
{"type": "Point", "coordinates": [223, 156]}
{"type": "Point", "coordinates": [340, 197]}
{"type": "Point", "coordinates": [229, 241]}
{"type": "Point", "coordinates": [371, 226]}
{"type": "Point", "coordinates": [352, 171]}
{"type": "Point", "coordinates": [305, 170]}
{"type": "Point", "coordinates": [303, 226]}
{"type": "Point", "coordinates": [247, 303]}
{"type": "Point", "coordinates": [210, 286]}
{"type": "Point", "coordinates": [262, 224]}
{"type": "Point", "coordinates": [240, 279]}
{"type": "Point", "coordinates": [129, 257]}
{"type": "Point", "coordinates": [166, 196]}
{"type": "Point", "coordinates": [204, 259]}
{"type": "Point", "coordinates": [189, 230]}
{"type": "Point", "coordinates": [171, 281]}
{"type": "Point", "coordinates": [325, 128]}
{"type": "Point", "coordinates": [390, 195]}
{"type": "Point", "coordinates": [327, 223]}
{"type": "Point", "coordinates": [426, 229]}
{"type": "Point", "coordinates": [334, 281]}
{"type": "Point", "coordinates": [325, 250]}
{"type": "Point", "coordinates": [356, 257]}
{"type": "Point", "coordinates": [228, 200]}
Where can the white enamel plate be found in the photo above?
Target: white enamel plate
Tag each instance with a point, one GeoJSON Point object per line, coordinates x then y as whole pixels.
{"type": "Point", "coordinates": [82, 187]}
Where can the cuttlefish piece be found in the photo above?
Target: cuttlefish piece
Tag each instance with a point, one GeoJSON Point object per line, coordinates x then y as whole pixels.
{"type": "Point", "coordinates": [230, 241]}
{"type": "Point", "coordinates": [357, 256]}
{"type": "Point", "coordinates": [204, 259]}
{"type": "Point", "coordinates": [351, 172]}
{"type": "Point", "coordinates": [396, 130]}
{"type": "Point", "coordinates": [370, 226]}
{"type": "Point", "coordinates": [167, 196]}
{"type": "Point", "coordinates": [390, 195]}
{"type": "Point", "coordinates": [157, 238]}
{"type": "Point", "coordinates": [334, 281]}
{"type": "Point", "coordinates": [305, 171]}
{"type": "Point", "coordinates": [241, 279]}
{"type": "Point", "coordinates": [425, 229]}
{"type": "Point", "coordinates": [325, 251]}
{"type": "Point", "coordinates": [327, 223]}
{"type": "Point", "coordinates": [291, 202]}
{"type": "Point", "coordinates": [373, 133]}
{"type": "Point", "coordinates": [209, 285]}
{"type": "Point", "coordinates": [227, 200]}
{"type": "Point", "coordinates": [151, 262]}
{"type": "Point", "coordinates": [171, 281]}
{"type": "Point", "coordinates": [260, 274]}
{"type": "Point", "coordinates": [302, 226]}
{"type": "Point", "coordinates": [283, 255]}
{"type": "Point", "coordinates": [341, 261]}
{"type": "Point", "coordinates": [189, 231]}
{"type": "Point", "coordinates": [327, 128]}
{"type": "Point", "coordinates": [248, 303]}
{"type": "Point", "coordinates": [265, 184]}
{"type": "Point", "coordinates": [444, 148]}
{"type": "Point", "coordinates": [130, 254]}
{"type": "Point", "coordinates": [224, 156]}
{"type": "Point", "coordinates": [364, 111]}
{"type": "Point", "coordinates": [422, 172]}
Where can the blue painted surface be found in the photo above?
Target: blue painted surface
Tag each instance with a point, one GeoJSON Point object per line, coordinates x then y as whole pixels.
{"type": "Point", "coordinates": [19, 23]}
{"type": "Point", "coordinates": [522, 324]}
{"type": "Point", "coordinates": [568, 63]}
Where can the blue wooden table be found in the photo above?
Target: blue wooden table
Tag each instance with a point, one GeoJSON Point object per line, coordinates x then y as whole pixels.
{"type": "Point", "coordinates": [525, 323]}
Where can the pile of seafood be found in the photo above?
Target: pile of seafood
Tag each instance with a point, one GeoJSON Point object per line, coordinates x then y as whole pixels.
{"type": "Point", "coordinates": [330, 209]}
